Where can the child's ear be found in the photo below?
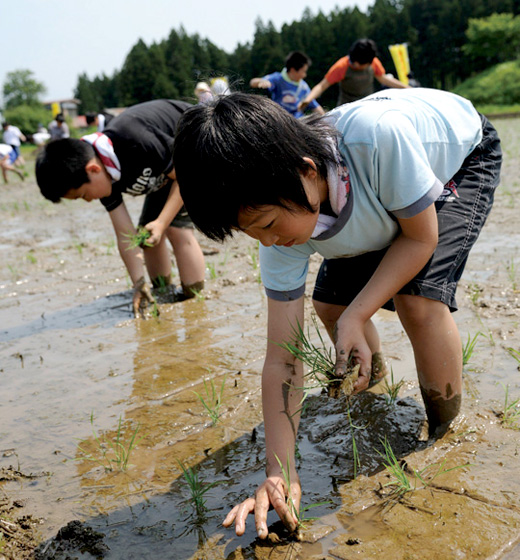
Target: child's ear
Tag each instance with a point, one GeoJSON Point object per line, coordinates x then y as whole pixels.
{"type": "Point", "coordinates": [311, 171]}
{"type": "Point", "coordinates": [93, 166]}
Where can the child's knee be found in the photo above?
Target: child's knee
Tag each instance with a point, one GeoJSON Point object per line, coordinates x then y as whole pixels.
{"type": "Point", "coordinates": [419, 312]}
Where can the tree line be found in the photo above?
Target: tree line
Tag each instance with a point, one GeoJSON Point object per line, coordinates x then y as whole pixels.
{"type": "Point", "coordinates": [435, 31]}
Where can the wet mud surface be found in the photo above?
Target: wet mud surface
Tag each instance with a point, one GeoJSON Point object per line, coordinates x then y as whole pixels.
{"type": "Point", "coordinates": [79, 374]}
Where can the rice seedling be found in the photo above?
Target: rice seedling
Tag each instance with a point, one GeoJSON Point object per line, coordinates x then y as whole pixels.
{"type": "Point", "coordinates": [511, 274]}
{"type": "Point", "coordinates": [212, 270]}
{"type": "Point", "coordinates": [391, 390]}
{"type": "Point", "coordinates": [31, 258]}
{"type": "Point", "coordinates": [355, 453]}
{"type": "Point", "coordinates": [114, 453]}
{"type": "Point", "coordinates": [400, 482]}
{"type": "Point", "coordinates": [224, 259]}
{"type": "Point", "coordinates": [300, 515]}
{"type": "Point", "coordinates": [139, 238]}
{"type": "Point", "coordinates": [515, 354]}
{"type": "Point", "coordinates": [212, 400]}
{"type": "Point", "coordinates": [474, 293]}
{"type": "Point", "coordinates": [197, 487]}
{"type": "Point", "coordinates": [468, 348]}
{"type": "Point", "coordinates": [320, 362]}
{"type": "Point", "coordinates": [510, 417]}
{"type": "Point", "coordinates": [253, 255]}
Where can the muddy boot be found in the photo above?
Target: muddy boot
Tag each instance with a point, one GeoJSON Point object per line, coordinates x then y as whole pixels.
{"type": "Point", "coordinates": [184, 292]}
{"type": "Point", "coordinates": [440, 411]}
{"type": "Point", "coordinates": [379, 369]}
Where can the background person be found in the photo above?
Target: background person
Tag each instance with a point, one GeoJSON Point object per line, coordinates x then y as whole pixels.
{"type": "Point", "coordinates": [58, 128]}
{"type": "Point", "coordinates": [14, 137]}
{"type": "Point", "coordinates": [355, 74]}
{"type": "Point", "coordinates": [8, 158]}
{"type": "Point", "coordinates": [393, 191]}
{"type": "Point", "coordinates": [288, 87]}
{"type": "Point", "coordinates": [133, 156]}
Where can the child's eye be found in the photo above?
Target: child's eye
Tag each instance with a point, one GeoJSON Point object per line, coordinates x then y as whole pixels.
{"type": "Point", "coordinates": [269, 225]}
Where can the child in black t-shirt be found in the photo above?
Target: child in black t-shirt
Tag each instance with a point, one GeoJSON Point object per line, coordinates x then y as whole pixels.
{"type": "Point", "coordinates": [133, 155]}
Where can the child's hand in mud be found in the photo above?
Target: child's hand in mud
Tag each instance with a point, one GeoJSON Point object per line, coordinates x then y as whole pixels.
{"type": "Point", "coordinates": [156, 229]}
{"type": "Point", "coordinates": [142, 298]}
{"type": "Point", "coordinates": [271, 494]}
{"type": "Point", "coordinates": [352, 348]}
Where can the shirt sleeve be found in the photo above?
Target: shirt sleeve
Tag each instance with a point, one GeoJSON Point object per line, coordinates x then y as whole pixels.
{"type": "Point", "coordinates": [378, 68]}
{"type": "Point", "coordinates": [337, 71]}
{"type": "Point", "coordinates": [284, 271]}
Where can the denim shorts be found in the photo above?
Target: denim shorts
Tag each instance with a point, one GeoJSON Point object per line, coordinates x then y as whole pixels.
{"type": "Point", "coordinates": [153, 204]}
{"type": "Point", "coordinates": [462, 210]}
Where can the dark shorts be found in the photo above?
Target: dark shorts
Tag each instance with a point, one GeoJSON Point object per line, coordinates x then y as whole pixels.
{"type": "Point", "coordinates": [462, 210]}
{"type": "Point", "coordinates": [153, 204]}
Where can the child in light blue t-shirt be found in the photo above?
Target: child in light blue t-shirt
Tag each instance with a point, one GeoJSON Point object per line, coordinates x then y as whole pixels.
{"type": "Point", "coordinates": [392, 190]}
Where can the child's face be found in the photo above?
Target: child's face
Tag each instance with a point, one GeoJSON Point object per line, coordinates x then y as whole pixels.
{"type": "Point", "coordinates": [100, 186]}
{"type": "Point", "coordinates": [274, 225]}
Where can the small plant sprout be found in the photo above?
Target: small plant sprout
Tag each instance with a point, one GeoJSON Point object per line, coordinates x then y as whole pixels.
{"type": "Point", "coordinates": [253, 255]}
{"type": "Point", "coordinates": [510, 416]}
{"type": "Point", "coordinates": [400, 483]}
{"type": "Point", "coordinates": [511, 274]}
{"type": "Point", "coordinates": [197, 488]}
{"type": "Point", "coordinates": [212, 270]}
{"type": "Point", "coordinates": [474, 292]}
{"type": "Point", "coordinates": [212, 400]}
{"type": "Point", "coordinates": [301, 518]}
{"type": "Point", "coordinates": [114, 453]}
{"type": "Point", "coordinates": [139, 238]}
{"type": "Point", "coordinates": [355, 453]}
{"type": "Point", "coordinates": [31, 258]}
{"type": "Point", "coordinates": [515, 354]}
{"type": "Point", "coordinates": [320, 362]}
{"type": "Point", "coordinates": [391, 390]}
{"type": "Point", "coordinates": [468, 348]}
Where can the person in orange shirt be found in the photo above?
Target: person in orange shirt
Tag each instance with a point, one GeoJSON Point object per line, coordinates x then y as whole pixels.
{"type": "Point", "coordinates": [355, 74]}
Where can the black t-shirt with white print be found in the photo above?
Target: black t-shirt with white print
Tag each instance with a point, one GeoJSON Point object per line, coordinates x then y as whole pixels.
{"type": "Point", "coordinates": [142, 137]}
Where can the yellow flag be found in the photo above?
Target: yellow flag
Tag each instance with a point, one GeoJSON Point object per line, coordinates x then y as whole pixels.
{"type": "Point", "coordinates": [401, 61]}
{"type": "Point", "coordinates": [55, 108]}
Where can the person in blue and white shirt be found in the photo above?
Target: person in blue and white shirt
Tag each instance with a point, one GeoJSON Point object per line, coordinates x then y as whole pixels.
{"type": "Point", "coordinates": [288, 87]}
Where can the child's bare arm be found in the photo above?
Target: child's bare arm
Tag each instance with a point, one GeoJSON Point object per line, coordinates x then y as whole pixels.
{"type": "Point", "coordinates": [406, 256]}
{"type": "Point", "coordinates": [282, 382]}
{"type": "Point", "coordinates": [171, 207]}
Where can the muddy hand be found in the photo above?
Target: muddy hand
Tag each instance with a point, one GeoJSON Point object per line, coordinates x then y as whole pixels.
{"type": "Point", "coordinates": [156, 230]}
{"type": "Point", "coordinates": [142, 298]}
{"type": "Point", "coordinates": [270, 493]}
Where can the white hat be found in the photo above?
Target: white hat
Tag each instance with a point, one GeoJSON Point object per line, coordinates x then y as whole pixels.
{"type": "Point", "coordinates": [202, 86]}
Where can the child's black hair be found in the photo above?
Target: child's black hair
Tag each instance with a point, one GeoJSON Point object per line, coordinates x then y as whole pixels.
{"type": "Point", "coordinates": [363, 51]}
{"type": "Point", "coordinates": [61, 167]}
{"type": "Point", "coordinates": [297, 60]}
{"type": "Point", "coordinates": [242, 152]}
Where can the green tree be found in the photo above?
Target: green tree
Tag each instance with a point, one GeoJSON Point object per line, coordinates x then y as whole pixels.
{"type": "Point", "coordinates": [493, 39]}
{"type": "Point", "coordinates": [21, 88]}
{"type": "Point", "coordinates": [27, 117]}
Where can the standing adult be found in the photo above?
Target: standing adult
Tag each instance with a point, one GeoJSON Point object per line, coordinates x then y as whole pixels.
{"type": "Point", "coordinates": [288, 87]}
{"type": "Point", "coordinates": [355, 74]}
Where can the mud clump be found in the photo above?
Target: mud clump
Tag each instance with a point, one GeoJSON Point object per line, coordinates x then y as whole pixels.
{"type": "Point", "coordinates": [73, 538]}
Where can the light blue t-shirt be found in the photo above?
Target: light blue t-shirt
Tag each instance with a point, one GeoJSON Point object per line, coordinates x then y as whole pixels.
{"type": "Point", "coordinates": [400, 147]}
{"type": "Point", "coordinates": [287, 93]}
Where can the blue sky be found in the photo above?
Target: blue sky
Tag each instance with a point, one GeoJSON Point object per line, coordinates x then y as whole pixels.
{"type": "Point", "coordinates": [58, 39]}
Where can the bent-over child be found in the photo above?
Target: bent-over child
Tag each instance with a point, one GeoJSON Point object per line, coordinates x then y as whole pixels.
{"type": "Point", "coordinates": [133, 155]}
{"type": "Point", "coordinates": [392, 190]}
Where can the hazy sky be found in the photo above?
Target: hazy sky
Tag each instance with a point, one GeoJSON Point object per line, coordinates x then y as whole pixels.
{"type": "Point", "coordinates": [60, 39]}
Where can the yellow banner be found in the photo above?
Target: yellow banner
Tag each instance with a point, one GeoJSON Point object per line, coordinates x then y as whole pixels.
{"type": "Point", "coordinates": [401, 61]}
{"type": "Point", "coordinates": [55, 108]}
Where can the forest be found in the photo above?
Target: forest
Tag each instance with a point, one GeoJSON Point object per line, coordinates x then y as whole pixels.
{"type": "Point", "coordinates": [449, 42]}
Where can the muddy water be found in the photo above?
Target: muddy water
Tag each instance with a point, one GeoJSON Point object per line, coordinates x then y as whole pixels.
{"type": "Point", "coordinates": [76, 369]}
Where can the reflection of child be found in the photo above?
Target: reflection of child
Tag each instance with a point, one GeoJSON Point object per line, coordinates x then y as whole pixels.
{"type": "Point", "coordinates": [8, 158]}
{"type": "Point", "coordinates": [392, 190]}
{"type": "Point", "coordinates": [133, 156]}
